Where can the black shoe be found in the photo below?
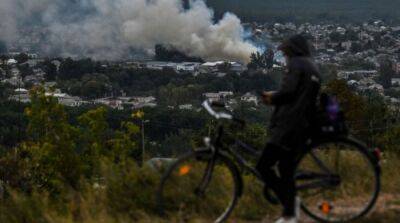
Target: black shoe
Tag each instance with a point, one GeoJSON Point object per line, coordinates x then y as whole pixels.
{"type": "Point", "coordinates": [270, 196]}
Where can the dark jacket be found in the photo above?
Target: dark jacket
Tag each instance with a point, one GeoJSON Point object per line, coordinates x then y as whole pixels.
{"type": "Point", "coordinates": [295, 103]}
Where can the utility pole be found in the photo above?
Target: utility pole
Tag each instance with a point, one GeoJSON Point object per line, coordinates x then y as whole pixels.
{"type": "Point", "coordinates": [143, 142]}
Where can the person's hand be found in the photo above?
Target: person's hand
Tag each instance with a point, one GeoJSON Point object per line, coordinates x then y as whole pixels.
{"type": "Point", "coordinates": [267, 97]}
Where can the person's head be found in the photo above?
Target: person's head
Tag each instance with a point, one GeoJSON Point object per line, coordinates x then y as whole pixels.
{"type": "Point", "coordinates": [295, 46]}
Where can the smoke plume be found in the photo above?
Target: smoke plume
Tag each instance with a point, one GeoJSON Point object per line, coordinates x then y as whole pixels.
{"type": "Point", "coordinates": [110, 29]}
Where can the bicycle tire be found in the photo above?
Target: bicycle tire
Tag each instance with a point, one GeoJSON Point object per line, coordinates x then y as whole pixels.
{"type": "Point", "coordinates": [373, 164]}
{"type": "Point", "coordinates": [206, 154]}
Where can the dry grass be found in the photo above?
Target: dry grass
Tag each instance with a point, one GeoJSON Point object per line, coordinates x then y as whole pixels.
{"type": "Point", "coordinates": [126, 196]}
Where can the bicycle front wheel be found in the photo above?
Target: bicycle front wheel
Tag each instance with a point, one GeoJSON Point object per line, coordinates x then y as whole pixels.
{"type": "Point", "coordinates": [197, 186]}
{"type": "Point", "coordinates": [338, 181]}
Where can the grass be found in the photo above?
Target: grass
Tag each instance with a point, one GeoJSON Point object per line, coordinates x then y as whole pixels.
{"type": "Point", "coordinates": [127, 195]}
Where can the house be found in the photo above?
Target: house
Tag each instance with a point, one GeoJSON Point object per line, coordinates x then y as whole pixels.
{"type": "Point", "coordinates": [33, 62]}
{"type": "Point", "coordinates": [56, 63]}
{"type": "Point", "coordinates": [15, 72]}
{"type": "Point", "coordinates": [110, 102]}
{"type": "Point", "coordinates": [11, 62]}
{"type": "Point", "coordinates": [186, 107]}
{"type": "Point", "coordinates": [14, 81]}
{"type": "Point", "coordinates": [237, 67]}
{"type": "Point", "coordinates": [357, 74]}
{"type": "Point", "coordinates": [39, 72]}
{"type": "Point", "coordinates": [212, 96]}
{"type": "Point", "coordinates": [160, 65]}
{"type": "Point", "coordinates": [396, 81]}
{"type": "Point", "coordinates": [49, 85]}
{"type": "Point", "coordinates": [222, 95]}
{"type": "Point", "coordinates": [397, 67]}
{"type": "Point", "coordinates": [377, 87]}
{"type": "Point", "coordinates": [66, 99]}
{"type": "Point", "coordinates": [250, 98]}
{"type": "Point", "coordinates": [20, 95]}
{"type": "Point", "coordinates": [213, 67]}
{"type": "Point", "coordinates": [210, 67]}
{"type": "Point", "coordinates": [187, 67]}
{"type": "Point", "coordinates": [32, 79]}
{"type": "Point", "coordinates": [148, 99]}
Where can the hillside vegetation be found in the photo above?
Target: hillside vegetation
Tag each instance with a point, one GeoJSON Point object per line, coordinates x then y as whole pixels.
{"type": "Point", "coordinates": [310, 10]}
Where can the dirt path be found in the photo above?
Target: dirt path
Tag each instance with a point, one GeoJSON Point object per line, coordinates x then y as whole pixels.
{"type": "Point", "coordinates": [387, 210]}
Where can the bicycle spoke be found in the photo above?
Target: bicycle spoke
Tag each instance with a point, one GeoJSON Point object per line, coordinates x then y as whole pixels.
{"type": "Point", "coordinates": [195, 186]}
{"type": "Point", "coordinates": [337, 182]}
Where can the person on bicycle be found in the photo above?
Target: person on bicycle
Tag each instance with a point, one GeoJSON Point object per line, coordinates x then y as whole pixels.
{"type": "Point", "coordinates": [294, 102]}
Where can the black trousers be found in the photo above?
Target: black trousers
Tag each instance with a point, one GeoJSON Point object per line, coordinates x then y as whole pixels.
{"type": "Point", "coordinates": [281, 181]}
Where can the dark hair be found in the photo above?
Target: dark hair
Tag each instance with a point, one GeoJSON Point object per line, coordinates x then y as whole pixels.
{"type": "Point", "coordinates": [295, 46]}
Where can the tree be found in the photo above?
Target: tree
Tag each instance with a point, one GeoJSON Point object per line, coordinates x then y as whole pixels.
{"type": "Point", "coordinates": [70, 69]}
{"type": "Point", "coordinates": [356, 47]}
{"type": "Point", "coordinates": [3, 58]}
{"type": "Point", "coordinates": [95, 85]}
{"type": "Point", "coordinates": [261, 61]}
{"type": "Point", "coordinates": [224, 67]}
{"type": "Point", "coordinates": [25, 70]}
{"type": "Point", "coordinates": [3, 47]}
{"type": "Point", "coordinates": [335, 37]}
{"type": "Point", "coordinates": [361, 111]}
{"type": "Point", "coordinates": [386, 72]}
{"type": "Point", "coordinates": [50, 69]}
{"type": "Point", "coordinates": [54, 157]}
{"type": "Point", "coordinates": [22, 58]}
{"type": "Point", "coordinates": [351, 35]}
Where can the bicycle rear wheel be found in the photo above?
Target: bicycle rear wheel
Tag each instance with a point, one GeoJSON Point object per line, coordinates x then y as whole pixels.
{"type": "Point", "coordinates": [188, 192]}
{"type": "Point", "coordinates": [338, 181]}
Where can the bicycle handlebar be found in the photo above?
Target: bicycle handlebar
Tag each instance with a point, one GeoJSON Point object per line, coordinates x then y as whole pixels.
{"type": "Point", "coordinates": [207, 104]}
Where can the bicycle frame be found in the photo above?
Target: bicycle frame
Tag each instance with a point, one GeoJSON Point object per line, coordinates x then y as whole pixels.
{"type": "Point", "coordinates": [324, 179]}
{"type": "Point", "coordinates": [224, 148]}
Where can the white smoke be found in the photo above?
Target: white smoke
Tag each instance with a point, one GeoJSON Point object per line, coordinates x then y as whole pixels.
{"type": "Point", "coordinates": [106, 29]}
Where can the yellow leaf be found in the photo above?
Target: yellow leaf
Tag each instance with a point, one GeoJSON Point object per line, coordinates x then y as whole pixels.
{"type": "Point", "coordinates": [138, 114]}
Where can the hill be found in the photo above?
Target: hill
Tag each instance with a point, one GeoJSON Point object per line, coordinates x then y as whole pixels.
{"type": "Point", "coordinates": [310, 10]}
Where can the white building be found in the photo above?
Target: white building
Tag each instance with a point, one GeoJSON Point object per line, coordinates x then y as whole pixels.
{"type": "Point", "coordinates": [250, 98]}
{"type": "Point", "coordinates": [396, 81]}
{"type": "Point", "coordinates": [160, 65]}
{"type": "Point", "coordinates": [187, 67]}
{"type": "Point", "coordinates": [66, 99]}
{"type": "Point", "coordinates": [110, 102]}
{"type": "Point", "coordinates": [20, 95]}
{"type": "Point", "coordinates": [186, 107]}
{"type": "Point", "coordinates": [222, 95]}
{"type": "Point", "coordinates": [11, 62]}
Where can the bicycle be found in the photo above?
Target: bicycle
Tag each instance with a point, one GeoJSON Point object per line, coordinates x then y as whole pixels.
{"type": "Point", "coordinates": [208, 181]}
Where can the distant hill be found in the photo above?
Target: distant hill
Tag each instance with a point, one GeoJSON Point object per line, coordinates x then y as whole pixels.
{"type": "Point", "coordinates": [310, 10]}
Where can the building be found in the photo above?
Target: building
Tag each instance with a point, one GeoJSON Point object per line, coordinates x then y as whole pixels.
{"type": "Point", "coordinates": [396, 81]}
{"type": "Point", "coordinates": [250, 98]}
{"type": "Point", "coordinates": [210, 67]}
{"type": "Point", "coordinates": [237, 67]}
{"type": "Point", "coordinates": [21, 95]}
{"type": "Point", "coordinates": [110, 102]}
{"type": "Point", "coordinates": [11, 62]}
{"type": "Point", "coordinates": [66, 99]}
{"type": "Point", "coordinates": [160, 65]}
{"type": "Point", "coordinates": [222, 95]}
{"type": "Point", "coordinates": [186, 107]}
{"type": "Point", "coordinates": [187, 67]}
{"type": "Point", "coordinates": [357, 74]}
